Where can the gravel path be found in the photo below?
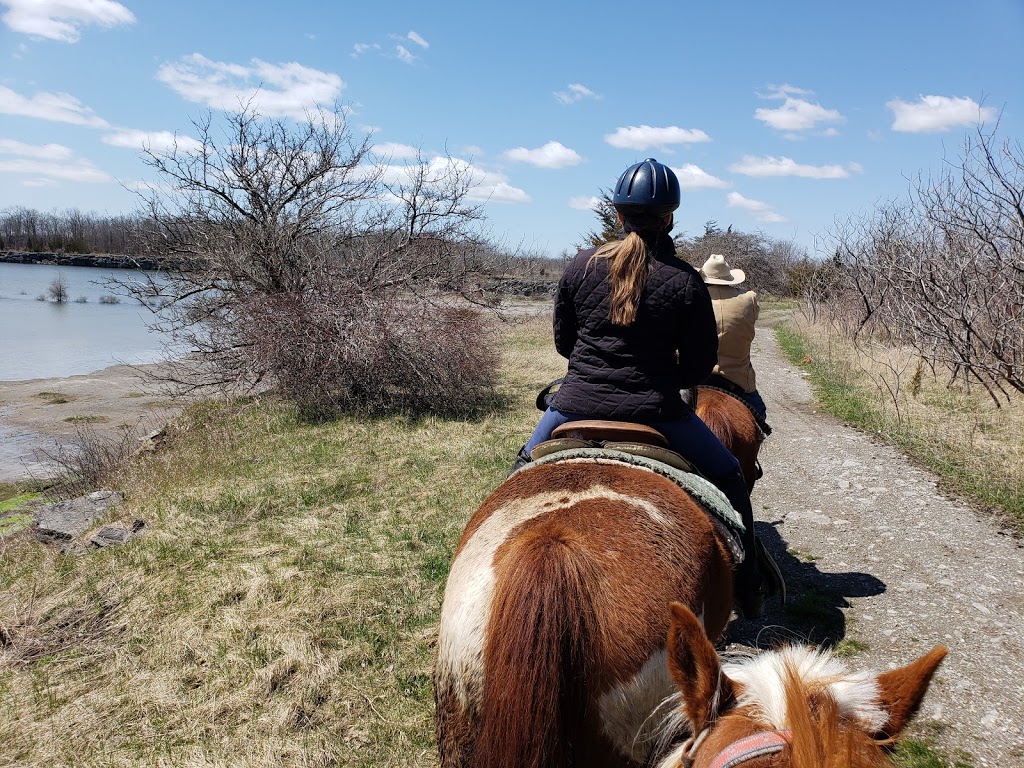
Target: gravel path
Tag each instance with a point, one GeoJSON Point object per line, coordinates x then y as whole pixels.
{"type": "Point", "coordinates": [886, 560]}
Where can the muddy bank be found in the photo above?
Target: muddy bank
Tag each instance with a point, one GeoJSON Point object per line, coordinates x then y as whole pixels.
{"type": "Point", "coordinates": [37, 415]}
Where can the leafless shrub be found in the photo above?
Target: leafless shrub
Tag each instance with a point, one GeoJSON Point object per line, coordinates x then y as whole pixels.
{"type": "Point", "coordinates": [89, 461]}
{"type": "Point", "coordinates": [108, 299]}
{"type": "Point", "coordinates": [58, 289]}
{"type": "Point", "coordinates": [339, 349]}
{"type": "Point", "coordinates": [941, 273]}
{"type": "Point", "coordinates": [288, 252]}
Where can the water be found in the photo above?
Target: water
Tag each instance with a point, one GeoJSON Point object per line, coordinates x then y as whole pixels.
{"type": "Point", "coordinates": [44, 339]}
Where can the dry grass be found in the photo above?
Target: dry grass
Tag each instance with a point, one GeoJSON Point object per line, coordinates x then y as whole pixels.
{"type": "Point", "coordinates": [975, 446]}
{"type": "Point", "coordinates": [281, 606]}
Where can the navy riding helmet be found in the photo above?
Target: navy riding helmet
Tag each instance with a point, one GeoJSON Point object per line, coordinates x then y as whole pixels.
{"type": "Point", "coordinates": [646, 189]}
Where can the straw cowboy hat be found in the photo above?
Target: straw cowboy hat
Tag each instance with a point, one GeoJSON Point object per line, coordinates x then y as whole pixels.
{"type": "Point", "coordinates": [716, 271]}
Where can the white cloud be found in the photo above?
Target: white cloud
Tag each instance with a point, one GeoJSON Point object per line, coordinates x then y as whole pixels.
{"type": "Point", "coordinates": [784, 90]}
{"type": "Point", "coordinates": [37, 151]}
{"type": "Point", "coordinates": [58, 107]}
{"type": "Point", "coordinates": [584, 203]}
{"type": "Point", "coordinates": [486, 186]}
{"type": "Point", "coordinates": [39, 183]}
{"type": "Point", "coordinates": [47, 163]}
{"type": "Point", "coordinates": [403, 54]}
{"type": "Point", "coordinates": [551, 155]}
{"type": "Point", "coordinates": [473, 150]}
{"type": "Point", "coordinates": [274, 90]}
{"type": "Point", "coordinates": [60, 19]}
{"type": "Point", "coordinates": [933, 114]}
{"type": "Point", "coordinates": [360, 48]}
{"type": "Point", "coordinates": [784, 166]}
{"type": "Point", "coordinates": [694, 177]}
{"type": "Point", "coordinates": [156, 141]}
{"type": "Point", "coordinates": [646, 137]}
{"type": "Point", "coordinates": [416, 38]}
{"type": "Point", "coordinates": [575, 92]}
{"type": "Point", "coordinates": [762, 211]}
{"type": "Point", "coordinates": [395, 151]}
{"type": "Point", "coordinates": [797, 115]}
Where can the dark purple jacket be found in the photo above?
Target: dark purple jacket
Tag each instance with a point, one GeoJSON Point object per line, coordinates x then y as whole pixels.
{"type": "Point", "coordinates": [633, 372]}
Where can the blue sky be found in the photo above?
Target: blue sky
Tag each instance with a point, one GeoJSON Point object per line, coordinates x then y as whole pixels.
{"type": "Point", "coordinates": [778, 117]}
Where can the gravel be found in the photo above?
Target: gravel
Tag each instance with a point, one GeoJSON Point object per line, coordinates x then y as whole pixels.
{"type": "Point", "coordinates": [894, 565]}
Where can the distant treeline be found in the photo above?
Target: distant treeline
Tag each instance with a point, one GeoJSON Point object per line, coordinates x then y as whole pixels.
{"type": "Point", "coordinates": [70, 232]}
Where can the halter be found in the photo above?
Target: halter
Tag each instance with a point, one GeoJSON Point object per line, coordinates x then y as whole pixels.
{"type": "Point", "coordinates": [741, 750]}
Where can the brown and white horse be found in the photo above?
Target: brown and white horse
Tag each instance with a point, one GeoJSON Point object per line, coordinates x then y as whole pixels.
{"type": "Point", "coordinates": [552, 643]}
{"type": "Point", "coordinates": [791, 708]}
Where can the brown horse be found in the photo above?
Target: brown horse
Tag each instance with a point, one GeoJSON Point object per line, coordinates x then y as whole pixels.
{"type": "Point", "coordinates": [552, 643]}
{"type": "Point", "coordinates": [734, 425]}
{"type": "Point", "coordinates": [791, 708]}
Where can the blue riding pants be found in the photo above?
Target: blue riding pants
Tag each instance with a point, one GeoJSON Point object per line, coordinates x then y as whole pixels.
{"type": "Point", "coordinates": [687, 435]}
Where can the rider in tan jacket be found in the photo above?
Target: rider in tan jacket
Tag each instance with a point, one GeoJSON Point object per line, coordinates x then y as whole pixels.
{"type": "Point", "coordinates": [736, 311]}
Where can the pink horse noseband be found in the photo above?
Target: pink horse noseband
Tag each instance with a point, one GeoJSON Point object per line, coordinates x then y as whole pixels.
{"type": "Point", "coordinates": [758, 745]}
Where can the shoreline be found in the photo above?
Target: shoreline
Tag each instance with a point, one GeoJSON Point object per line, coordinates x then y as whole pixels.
{"type": "Point", "coordinates": [37, 415]}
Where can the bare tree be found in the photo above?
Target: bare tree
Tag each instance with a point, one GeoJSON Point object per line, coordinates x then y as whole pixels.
{"type": "Point", "coordinates": [943, 272]}
{"type": "Point", "coordinates": [290, 259]}
{"type": "Point", "coordinates": [58, 289]}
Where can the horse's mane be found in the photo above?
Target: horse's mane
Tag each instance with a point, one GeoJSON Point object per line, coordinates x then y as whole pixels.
{"type": "Point", "coordinates": [821, 738]}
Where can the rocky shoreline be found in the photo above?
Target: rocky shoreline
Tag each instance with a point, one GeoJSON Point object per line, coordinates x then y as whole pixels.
{"type": "Point", "coordinates": [104, 260]}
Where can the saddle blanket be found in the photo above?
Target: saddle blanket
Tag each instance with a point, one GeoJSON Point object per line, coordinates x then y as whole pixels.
{"type": "Point", "coordinates": [700, 488]}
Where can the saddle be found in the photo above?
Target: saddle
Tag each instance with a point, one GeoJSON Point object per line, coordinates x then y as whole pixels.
{"type": "Point", "coordinates": [624, 436]}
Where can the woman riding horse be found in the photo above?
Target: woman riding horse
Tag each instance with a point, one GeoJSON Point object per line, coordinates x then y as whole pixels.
{"type": "Point", "coordinates": [637, 325]}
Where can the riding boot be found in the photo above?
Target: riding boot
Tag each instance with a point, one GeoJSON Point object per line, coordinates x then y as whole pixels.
{"type": "Point", "coordinates": [757, 577]}
{"type": "Point", "coordinates": [522, 459]}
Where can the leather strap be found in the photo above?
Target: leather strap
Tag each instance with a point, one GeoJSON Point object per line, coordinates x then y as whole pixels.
{"type": "Point", "coordinates": [751, 747]}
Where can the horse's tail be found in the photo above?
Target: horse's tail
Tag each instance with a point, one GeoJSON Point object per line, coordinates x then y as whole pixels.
{"type": "Point", "coordinates": [541, 638]}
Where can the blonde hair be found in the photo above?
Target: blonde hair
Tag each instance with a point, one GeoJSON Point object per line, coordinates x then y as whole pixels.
{"type": "Point", "coordinates": [628, 272]}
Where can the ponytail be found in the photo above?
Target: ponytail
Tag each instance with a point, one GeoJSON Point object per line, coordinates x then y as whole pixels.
{"type": "Point", "coordinates": [628, 274]}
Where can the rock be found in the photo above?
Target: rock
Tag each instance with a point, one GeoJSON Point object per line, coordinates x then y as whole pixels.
{"type": "Point", "coordinates": [67, 519]}
{"type": "Point", "coordinates": [110, 535]}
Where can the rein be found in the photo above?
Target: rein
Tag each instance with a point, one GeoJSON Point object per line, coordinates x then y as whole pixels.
{"type": "Point", "coordinates": [742, 750]}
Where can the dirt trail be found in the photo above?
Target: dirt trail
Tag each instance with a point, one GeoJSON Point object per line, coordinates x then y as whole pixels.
{"type": "Point", "coordinates": [874, 552]}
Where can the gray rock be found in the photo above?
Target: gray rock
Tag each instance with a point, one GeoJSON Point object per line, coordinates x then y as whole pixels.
{"type": "Point", "coordinates": [110, 535]}
{"type": "Point", "coordinates": [67, 519]}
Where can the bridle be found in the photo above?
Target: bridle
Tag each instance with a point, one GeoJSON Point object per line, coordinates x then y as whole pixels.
{"type": "Point", "coordinates": [741, 750]}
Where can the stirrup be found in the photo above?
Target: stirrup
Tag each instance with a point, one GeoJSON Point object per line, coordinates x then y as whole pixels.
{"type": "Point", "coordinates": [772, 581]}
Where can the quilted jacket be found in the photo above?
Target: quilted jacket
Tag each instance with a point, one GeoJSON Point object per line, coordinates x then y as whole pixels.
{"type": "Point", "coordinates": [633, 372]}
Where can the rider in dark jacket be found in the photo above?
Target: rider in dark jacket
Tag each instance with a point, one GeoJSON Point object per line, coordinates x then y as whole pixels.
{"type": "Point", "coordinates": [637, 325]}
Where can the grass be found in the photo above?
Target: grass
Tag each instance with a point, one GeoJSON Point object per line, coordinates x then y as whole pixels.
{"type": "Point", "coordinates": [281, 605]}
{"type": "Point", "coordinates": [86, 419]}
{"type": "Point", "coordinates": [55, 398]}
{"type": "Point", "coordinates": [912, 753]}
{"type": "Point", "coordinates": [974, 447]}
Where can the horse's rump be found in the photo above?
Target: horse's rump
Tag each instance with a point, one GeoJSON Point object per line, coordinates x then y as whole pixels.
{"type": "Point", "coordinates": [556, 611]}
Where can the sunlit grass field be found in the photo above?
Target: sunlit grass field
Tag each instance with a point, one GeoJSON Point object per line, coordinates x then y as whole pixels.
{"type": "Point", "coordinates": [280, 606]}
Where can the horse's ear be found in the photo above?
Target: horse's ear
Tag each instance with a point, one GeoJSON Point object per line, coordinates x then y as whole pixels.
{"type": "Point", "coordinates": [902, 691]}
{"type": "Point", "coordinates": [695, 668]}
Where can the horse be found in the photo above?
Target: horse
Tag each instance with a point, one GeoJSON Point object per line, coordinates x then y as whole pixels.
{"type": "Point", "coordinates": [735, 425]}
{"type": "Point", "coordinates": [794, 707]}
{"type": "Point", "coordinates": [552, 642]}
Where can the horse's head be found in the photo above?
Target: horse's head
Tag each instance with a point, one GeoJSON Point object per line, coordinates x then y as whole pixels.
{"type": "Point", "coordinates": [794, 707]}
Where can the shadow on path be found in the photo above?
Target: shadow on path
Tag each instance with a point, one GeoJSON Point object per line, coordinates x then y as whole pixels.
{"type": "Point", "coordinates": [813, 611]}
